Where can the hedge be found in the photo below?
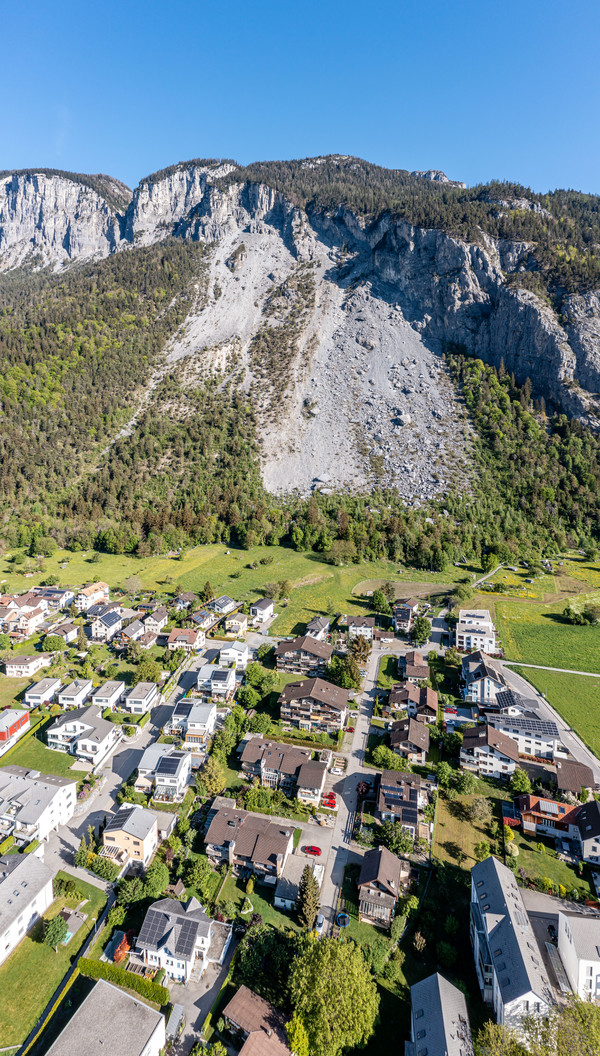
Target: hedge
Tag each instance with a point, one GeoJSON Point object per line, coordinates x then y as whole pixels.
{"type": "Point", "coordinates": [143, 719]}
{"type": "Point", "coordinates": [33, 846]}
{"type": "Point", "coordinates": [104, 868]}
{"type": "Point", "coordinates": [121, 977]}
{"type": "Point", "coordinates": [6, 844]}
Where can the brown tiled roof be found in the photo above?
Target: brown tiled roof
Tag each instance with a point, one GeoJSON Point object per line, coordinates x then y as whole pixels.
{"type": "Point", "coordinates": [184, 634]}
{"type": "Point", "coordinates": [410, 732]}
{"type": "Point", "coordinates": [284, 758]}
{"type": "Point", "coordinates": [264, 1024]}
{"type": "Point", "coordinates": [413, 656]}
{"type": "Point", "coordinates": [572, 776]}
{"type": "Point", "coordinates": [159, 614]}
{"type": "Point", "coordinates": [318, 689]}
{"type": "Point", "coordinates": [483, 736]}
{"type": "Point", "coordinates": [382, 867]}
{"type": "Point", "coordinates": [428, 698]}
{"type": "Point", "coordinates": [404, 692]}
{"type": "Point", "coordinates": [311, 774]}
{"type": "Point", "coordinates": [361, 621]}
{"type": "Point", "coordinates": [255, 836]}
{"type": "Point", "coordinates": [305, 644]}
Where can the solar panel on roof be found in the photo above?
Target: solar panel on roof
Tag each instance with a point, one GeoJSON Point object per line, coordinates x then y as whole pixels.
{"type": "Point", "coordinates": [167, 765]}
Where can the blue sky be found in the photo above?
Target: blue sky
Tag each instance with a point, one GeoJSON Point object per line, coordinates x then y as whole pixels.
{"type": "Point", "coordinates": [488, 89]}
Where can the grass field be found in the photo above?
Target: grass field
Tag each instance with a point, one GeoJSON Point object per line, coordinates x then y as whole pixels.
{"type": "Point", "coordinates": [456, 834]}
{"type": "Point", "coordinates": [33, 971]}
{"type": "Point", "coordinates": [35, 756]}
{"type": "Point", "coordinates": [575, 697]}
{"type": "Point", "coordinates": [536, 864]}
{"type": "Point", "coordinates": [388, 672]}
{"type": "Point", "coordinates": [262, 901]}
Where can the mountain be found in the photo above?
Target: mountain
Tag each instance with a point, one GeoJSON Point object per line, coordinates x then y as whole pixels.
{"type": "Point", "coordinates": [304, 308]}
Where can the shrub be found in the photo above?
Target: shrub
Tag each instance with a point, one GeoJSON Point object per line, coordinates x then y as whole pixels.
{"type": "Point", "coordinates": [6, 844]}
{"type": "Point", "coordinates": [121, 977]}
{"type": "Point", "coordinates": [103, 868]}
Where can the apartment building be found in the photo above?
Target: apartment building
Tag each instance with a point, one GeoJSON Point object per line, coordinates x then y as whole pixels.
{"type": "Point", "coordinates": [314, 704]}
{"type": "Point", "coordinates": [32, 805]}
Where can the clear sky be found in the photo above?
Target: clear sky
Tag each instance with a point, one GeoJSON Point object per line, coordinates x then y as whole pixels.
{"type": "Point", "coordinates": [482, 89]}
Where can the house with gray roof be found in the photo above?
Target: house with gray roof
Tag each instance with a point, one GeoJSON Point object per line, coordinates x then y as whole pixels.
{"type": "Point", "coordinates": [164, 771]}
{"type": "Point", "coordinates": [176, 936]}
{"type": "Point", "coordinates": [130, 835]}
{"type": "Point", "coordinates": [482, 678]}
{"type": "Point", "coordinates": [509, 966]}
{"type": "Point", "coordinates": [32, 805]}
{"type": "Point", "coordinates": [285, 894]}
{"type": "Point", "coordinates": [439, 1020]}
{"type": "Point", "coordinates": [579, 949]}
{"type": "Point", "coordinates": [85, 734]}
{"type": "Point", "coordinates": [110, 1021]}
{"type": "Point", "coordinates": [25, 894]}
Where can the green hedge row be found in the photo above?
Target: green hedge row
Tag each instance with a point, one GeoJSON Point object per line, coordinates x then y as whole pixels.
{"type": "Point", "coordinates": [143, 719]}
{"type": "Point", "coordinates": [33, 846]}
{"type": "Point", "coordinates": [6, 844]}
{"type": "Point", "coordinates": [113, 974]}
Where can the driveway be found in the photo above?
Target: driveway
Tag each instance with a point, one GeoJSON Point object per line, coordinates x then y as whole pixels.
{"type": "Point", "coordinates": [197, 999]}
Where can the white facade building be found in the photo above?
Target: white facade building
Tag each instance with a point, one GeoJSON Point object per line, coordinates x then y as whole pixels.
{"type": "Point", "coordinates": [475, 630]}
{"type": "Point", "coordinates": [42, 692]}
{"type": "Point", "coordinates": [236, 654]}
{"type": "Point", "coordinates": [84, 734]}
{"type": "Point", "coordinates": [25, 894]}
{"type": "Point", "coordinates": [579, 948]}
{"type": "Point", "coordinates": [109, 695]}
{"type": "Point", "coordinates": [142, 698]}
{"type": "Point", "coordinates": [76, 693]}
{"type": "Point", "coordinates": [32, 805]}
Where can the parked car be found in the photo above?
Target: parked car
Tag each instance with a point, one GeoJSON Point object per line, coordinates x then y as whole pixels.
{"type": "Point", "coordinates": [320, 924]}
{"type": "Point", "coordinates": [313, 850]}
{"type": "Point", "coordinates": [336, 770]}
{"type": "Point", "coordinates": [349, 729]}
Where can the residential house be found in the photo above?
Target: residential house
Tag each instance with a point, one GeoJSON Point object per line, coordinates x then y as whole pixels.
{"type": "Point", "coordinates": [382, 877]}
{"type": "Point", "coordinates": [285, 895]}
{"type": "Point", "coordinates": [84, 734]}
{"type": "Point", "coordinates": [133, 632]}
{"type": "Point", "coordinates": [147, 640]}
{"type": "Point", "coordinates": [9, 619]}
{"type": "Point", "coordinates": [203, 619]}
{"type": "Point", "coordinates": [533, 736]}
{"type": "Point", "coordinates": [401, 797]}
{"type": "Point", "coordinates": [488, 752]}
{"type": "Point", "coordinates": [548, 816]}
{"type": "Point", "coordinates": [579, 949]}
{"type": "Point", "coordinates": [237, 623]}
{"type": "Point", "coordinates": [235, 654]}
{"type": "Point", "coordinates": [109, 695]}
{"type": "Point", "coordinates": [111, 1021]}
{"type": "Point", "coordinates": [176, 936]}
{"type": "Point", "coordinates": [195, 721]}
{"type": "Point", "coordinates": [508, 963]}
{"type": "Point", "coordinates": [25, 894]}
{"type": "Point", "coordinates": [360, 626]}
{"type": "Point", "coordinates": [314, 704]}
{"type": "Point", "coordinates": [475, 631]}
{"type": "Point", "coordinates": [130, 835]}
{"type": "Point", "coordinates": [572, 776]}
{"type": "Point", "coordinates": [55, 597]}
{"type": "Point", "coordinates": [222, 683]}
{"type": "Point", "coordinates": [95, 594]}
{"type": "Point", "coordinates": [76, 693]}
{"type": "Point", "coordinates": [404, 613]}
{"type": "Point", "coordinates": [223, 605]}
{"type": "Point", "coordinates": [482, 679]}
{"type": "Point", "coordinates": [439, 1019]}
{"type": "Point", "coordinates": [425, 708]}
{"type": "Point", "coordinates": [318, 628]}
{"type": "Point", "coordinates": [508, 702]}
{"type": "Point", "coordinates": [13, 723]}
{"type": "Point", "coordinates": [164, 771]}
{"type": "Point", "coordinates": [257, 1023]}
{"type": "Point", "coordinates": [190, 639]}
{"type": "Point", "coordinates": [26, 666]}
{"type": "Point", "coordinates": [284, 766]}
{"type": "Point", "coordinates": [156, 620]}
{"type": "Point", "coordinates": [410, 740]}
{"type": "Point", "coordinates": [67, 631]}
{"type": "Point", "coordinates": [30, 602]}
{"type": "Point", "coordinates": [262, 610]}
{"type": "Point", "coordinates": [105, 627]}
{"type": "Point", "coordinates": [184, 601]}
{"type": "Point", "coordinates": [399, 698]}
{"type": "Point", "coordinates": [43, 692]}
{"type": "Point", "coordinates": [29, 622]}
{"type": "Point", "coordinates": [32, 805]}
{"type": "Point", "coordinates": [413, 667]}
{"type": "Point", "coordinates": [141, 698]}
{"type": "Point", "coordinates": [250, 843]}
{"type": "Point", "coordinates": [588, 823]}
{"type": "Point", "coordinates": [303, 656]}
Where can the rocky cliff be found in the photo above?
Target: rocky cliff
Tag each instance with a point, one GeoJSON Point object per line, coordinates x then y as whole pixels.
{"type": "Point", "coordinates": [335, 321]}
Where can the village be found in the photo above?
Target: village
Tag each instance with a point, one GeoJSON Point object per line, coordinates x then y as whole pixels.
{"type": "Point", "coordinates": [175, 778]}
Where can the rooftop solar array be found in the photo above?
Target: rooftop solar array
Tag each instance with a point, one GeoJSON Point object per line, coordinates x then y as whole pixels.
{"type": "Point", "coordinates": [521, 724]}
{"type": "Point", "coordinates": [168, 765]}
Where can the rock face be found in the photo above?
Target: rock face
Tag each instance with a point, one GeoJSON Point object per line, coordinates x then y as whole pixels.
{"type": "Point", "coordinates": [359, 391]}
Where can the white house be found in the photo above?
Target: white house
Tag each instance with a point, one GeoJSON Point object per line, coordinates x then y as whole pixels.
{"type": "Point", "coordinates": [109, 695]}
{"type": "Point", "coordinates": [224, 605]}
{"type": "Point", "coordinates": [25, 894]}
{"type": "Point", "coordinates": [134, 631]}
{"type": "Point", "coordinates": [176, 936]}
{"type": "Point", "coordinates": [112, 1021]}
{"type": "Point", "coordinates": [532, 735]}
{"type": "Point", "coordinates": [34, 804]}
{"type": "Point", "coordinates": [261, 611]}
{"type": "Point", "coordinates": [76, 693]}
{"type": "Point", "coordinates": [29, 622]}
{"type": "Point", "coordinates": [164, 771]}
{"type": "Point", "coordinates": [482, 679]}
{"type": "Point", "coordinates": [235, 654]}
{"type": "Point", "coordinates": [475, 631]}
{"type": "Point", "coordinates": [285, 894]}
{"type": "Point", "coordinates": [318, 628]}
{"type": "Point", "coordinates": [439, 1021]}
{"type": "Point", "coordinates": [158, 619]}
{"type": "Point", "coordinates": [84, 734]}
{"type": "Point", "coordinates": [588, 823]}
{"type": "Point", "coordinates": [105, 627]}
{"type": "Point", "coordinates": [67, 631]}
{"type": "Point", "coordinates": [141, 698]}
{"type": "Point", "coordinates": [508, 962]}
{"type": "Point", "coordinates": [26, 666]}
{"type": "Point", "coordinates": [200, 726]}
{"type": "Point", "coordinates": [360, 626]}
{"type": "Point", "coordinates": [95, 594]}
{"type": "Point", "coordinates": [579, 948]}
{"type": "Point", "coordinates": [222, 682]}
{"type": "Point", "coordinates": [190, 639]}
{"type": "Point", "coordinates": [487, 752]}
{"type": "Point", "coordinates": [42, 692]}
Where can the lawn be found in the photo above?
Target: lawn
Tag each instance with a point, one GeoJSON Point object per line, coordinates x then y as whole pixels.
{"type": "Point", "coordinates": [575, 697]}
{"type": "Point", "coordinates": [388, 672]}
{"type": "Point", "coordinates": [455, 833]}
{"type": "Point", "coordinates": [359, 930]}
{"type": "Point", "coordinates": [12, 690]}
{"type": "Point", "coordinates": [262, 900]}
{"type": "Point", "coordinates": [537, 865]}
{"type": "Point", "coordinates": [31, 974]}
{"type": "Point", "coordinates": [34, 755]}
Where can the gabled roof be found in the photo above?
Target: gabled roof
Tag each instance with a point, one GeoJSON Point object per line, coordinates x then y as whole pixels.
{"type": "Point", "coordinates": [264, 1025]}
{"type": "Point", "coordinates": [133, 819]}
{"type": "Point", "coordinates": [91, 716]}
{"type": "Point", "coordinates": [317, 689]}
{"type": "Point", "coordinates": [411, 733]}
{"type": "Point", "coordinates": [176, 925]}
{"type": "Point", "coordinates": [262, 604]}
{"type": "Point", "coordinates": [111, 1022]}
{"type": "Point", "coordinates": [255, 836]}
{"type": "Point", "coordinates": [305, 644]}
{"type": "Point", "coordinates": [488, 737]}
{"type": "Point", "coordinates": [588, 820]}
{"type": "Point", "coordinates": [439, 1010]}
{"type": "Point", "coordinates": [110, 619]}
{"type": "Point", "coordinates": [382, 867]}
{"type": "Point", "coordinates": [572, 776]}
{"type": "Point", "coordinates": [360, 621]}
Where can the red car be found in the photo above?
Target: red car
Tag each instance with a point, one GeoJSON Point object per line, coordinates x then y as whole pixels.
{"type": "Point", "coordinates": [313, 850]}
{"type": "Point", "coordinates": [349, 729]}
{"type": "Point", "coordinates": [329, 801]}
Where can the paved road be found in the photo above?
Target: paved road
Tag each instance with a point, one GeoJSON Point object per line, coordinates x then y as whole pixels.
{"type": "Point", "coordinates": [561, 670]}
{"type": "Point", "coordinates": [569, 738]}
{"type": "Point", "coordinates": [197, 999]}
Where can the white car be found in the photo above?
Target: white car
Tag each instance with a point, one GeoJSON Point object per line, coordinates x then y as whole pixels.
{"type": "Point", "coordinates": [319, 924]}
{"type": "Point", "coordinates": [336, 770]}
